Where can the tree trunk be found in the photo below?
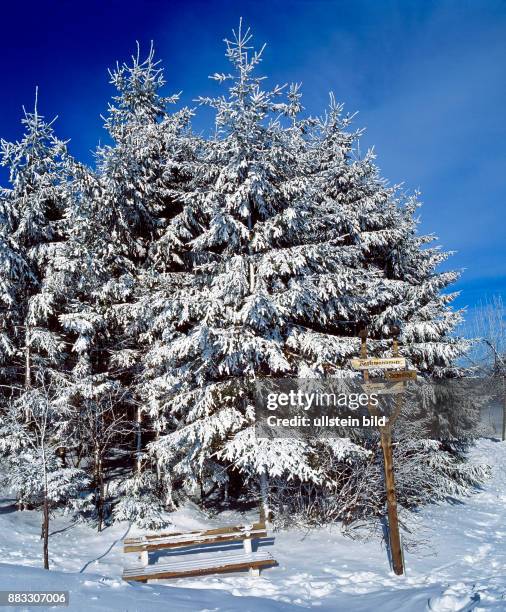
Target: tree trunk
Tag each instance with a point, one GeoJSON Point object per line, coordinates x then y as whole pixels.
{"type": "Point", "coordinates": [169, 501]}
{"type": "Point", "coordinates": [265, 512]}
{"type": "Point", "coordinates": [62, 453]}
{"type": "Point", "coordinates": [159, 482]}
{"type": "Point", "coordinates": [46, 533]}
{"type": "Point", "coordinates": [28, 368]}
{"type": "Point", "coordinates": [45, 523]}
{"type": "Point", "coordinates": [102, 499]}
{"type": "Point", "coordinates": [138, 442]}
{"type": "Point", "coordinates": [28, 361]}
{"type": "Point", "coordinates": [45, 512]}
{"type": "Point", "coordinates": [251, 277]}
{"type": "Point", "coordinates": [99, 489]}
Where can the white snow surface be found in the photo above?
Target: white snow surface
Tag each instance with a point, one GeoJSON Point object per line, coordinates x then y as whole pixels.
{"type": "Point", "coordinates": [464, 567]}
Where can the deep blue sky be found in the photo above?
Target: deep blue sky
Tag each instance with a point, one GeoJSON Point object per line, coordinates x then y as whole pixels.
{"type": "Point", "coordinates": [428, 79]}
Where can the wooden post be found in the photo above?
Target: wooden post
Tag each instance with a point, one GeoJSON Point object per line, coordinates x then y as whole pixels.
{"type": "Point", "coordinates": [393, 519]}
{"type": "Point", "coordinates": [386, 447]}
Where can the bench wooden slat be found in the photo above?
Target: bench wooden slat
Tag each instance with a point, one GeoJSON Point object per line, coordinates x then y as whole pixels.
{"type": "Point", "coordinates": [183, 537]}
{"type": "Point", "coordinates": [195, 534]}
{"type": "Point", "coordinates": [212, 565]}
{"type": "Point", "coordinates": [183, 540]}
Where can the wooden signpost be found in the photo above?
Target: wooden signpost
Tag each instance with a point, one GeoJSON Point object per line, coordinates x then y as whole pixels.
{"type": "Point", "coordinates": [378, 363]}
{"type": "Point", "coordinates": [382, 388]}
{"type": "Point", "coordinates": [399, 375]}
{"type": "Point", "coordinates": [365, 365]}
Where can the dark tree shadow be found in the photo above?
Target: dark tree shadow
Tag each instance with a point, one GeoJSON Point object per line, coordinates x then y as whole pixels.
{"type": "Point", "coordinates": [7, 505]}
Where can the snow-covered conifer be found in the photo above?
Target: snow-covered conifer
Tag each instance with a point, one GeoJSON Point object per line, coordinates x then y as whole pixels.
{"type": "Point", "coordinates": [33, 236]}
{"type": "Point", "coordinates": [296, 243]}
{"type": "Point", "coordinates": [377, 223]}
{"type": "Point", "coordinates": [120, 209]}
{"type": "Point", "coordinates": [228, 324]}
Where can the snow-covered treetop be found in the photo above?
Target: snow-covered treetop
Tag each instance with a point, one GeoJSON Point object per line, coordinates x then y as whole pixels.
{"type": "Point", "coordinates": [36, 172]}
{"type": "Point", "coordinates": [247, 104]}
{"type": "Point", "coordinates": [138, 100]}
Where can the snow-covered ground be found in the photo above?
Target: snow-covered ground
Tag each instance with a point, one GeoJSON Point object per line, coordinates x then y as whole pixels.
{"type": "Point", "coordinates": [464, 567]}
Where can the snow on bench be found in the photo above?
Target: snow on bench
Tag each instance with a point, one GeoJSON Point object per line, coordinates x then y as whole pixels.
{"type": "Point", "coordinates": [234, 561]}
{"type": "Point", "coordinates": [227, 562]}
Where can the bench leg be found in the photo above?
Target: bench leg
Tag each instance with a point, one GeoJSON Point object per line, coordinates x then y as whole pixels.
{"type": "Point", "coordinates": [144, 558]}
{"type": "Point", "coordinates": [254, 572]}
{"type": "Point", "coordinates": [247, 546]}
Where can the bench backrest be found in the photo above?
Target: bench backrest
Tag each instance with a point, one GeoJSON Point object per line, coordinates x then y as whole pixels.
{"type": "Point", "coordinates": [194, 538]}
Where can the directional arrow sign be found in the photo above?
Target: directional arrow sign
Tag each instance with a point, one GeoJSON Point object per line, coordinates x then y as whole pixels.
{"type": "Point", "coordinates": [374, 363]}
{"type": "Point", "coordinates": [401, 375]}
{"type": "Point", "coordinates": [381, 388]}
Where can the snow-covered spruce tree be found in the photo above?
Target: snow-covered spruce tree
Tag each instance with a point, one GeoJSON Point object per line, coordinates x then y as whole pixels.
{"type": "Point", "coordinates": [13, 268]}
{"type": "Point", "coordinates": [361, 211]}
{"type": "Point", "coordinates": [34, 210]}
{"type": "Point", "coordinates": [96, 391]}
{"type": "Point", "coordinates": [378, 221]}
{"type": "Point", "coordinates": [30, 443]}
{"type": "Point", "coordinates": [259, 273]}
{"type": "Point", "coordinates": [297, 244]}
{"type": "Point", "coordinates": [34, 229]}
{"type": "Point", "coordinates": [120, 210]}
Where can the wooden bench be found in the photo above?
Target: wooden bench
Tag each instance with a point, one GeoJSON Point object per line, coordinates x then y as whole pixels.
{"type": "Point", "coordinates": [218, 562]}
